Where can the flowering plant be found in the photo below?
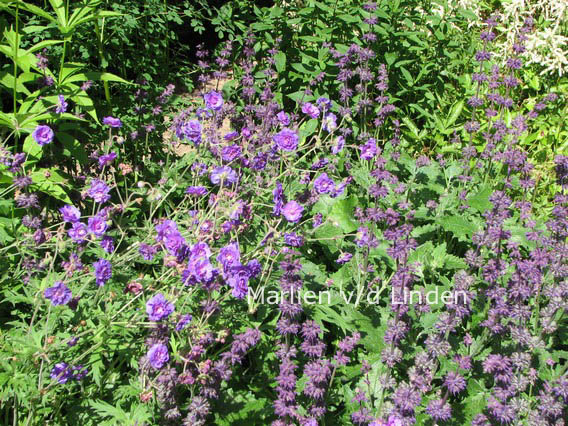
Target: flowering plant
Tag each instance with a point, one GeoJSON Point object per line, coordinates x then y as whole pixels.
{"type": "Point", "coordinates": [293, 263]}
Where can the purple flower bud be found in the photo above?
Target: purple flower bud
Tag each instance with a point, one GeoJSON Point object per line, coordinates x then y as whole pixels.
{"type": "Point", "coordinates": [61, 105]}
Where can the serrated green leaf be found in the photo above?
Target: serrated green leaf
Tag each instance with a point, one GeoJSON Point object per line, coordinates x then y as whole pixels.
{"type": "Point", "coordinates": [462, 228]}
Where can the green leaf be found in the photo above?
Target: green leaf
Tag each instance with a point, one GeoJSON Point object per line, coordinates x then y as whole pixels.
{"type": "Point", "coordinates": [407, 76]}
{"type": "Point", "coordinates": [32, 148]}
{"type": "Point", "coordinates": [438, 256]}
{"type": "Point", "coordinates": [361, 176]}
{"type": "Point", "coordinates": [308, 128]}
{"type": "Point", "coordinates": [341, 214]}
{"type": "Point", "coordinates": [95, 76]}
{"type": "Point", "coordinates": [410, 124]}
{"type": "Point", "coordinates": [476, 401]}
{"type": "Point", "coordinates": [454, 113]}
{"type": "Point", "coordinates": [390, 57]}
{"type": "Point", "coordinates": [480, 201]}
{"type": "Point", "coordinates": [73, 147]}
{"type": "Point", "coordinates": [50, 184]}
{"type": "Point", "coordinates": [280, 61]}
{"type": "Point", "coordinates": [454, 262]}
{"type": "Point", "coordinates": [462, 228]}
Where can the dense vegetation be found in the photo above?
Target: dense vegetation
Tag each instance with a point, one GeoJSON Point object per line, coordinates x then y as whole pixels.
{"type": "Point", "coordinates": [287, 213]}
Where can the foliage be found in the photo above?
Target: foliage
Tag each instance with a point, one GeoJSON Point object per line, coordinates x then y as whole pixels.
{"type": "Point", "coordinates": [342, 229]}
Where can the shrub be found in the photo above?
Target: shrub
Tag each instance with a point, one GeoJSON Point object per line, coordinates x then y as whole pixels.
{"type": "Point", "coordinates": [290, 263]}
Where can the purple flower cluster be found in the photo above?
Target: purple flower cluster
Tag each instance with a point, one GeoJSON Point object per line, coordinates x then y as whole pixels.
{"type": "Point", "coordinates": [62, 372]}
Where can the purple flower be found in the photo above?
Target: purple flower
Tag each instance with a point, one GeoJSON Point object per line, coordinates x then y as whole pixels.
{"type": "Point", "coordinates": [79, 372]}
{"type": "Point", "coordinates": [158, 355]}
{"type": "Point", "coordinates": [561, 169]}
{"type": "Point", "coordinates": [238, 281]}
{"type": "Point", "coordinates": [293, 239]}
{"type": "Point", "coordinates": [283, 118]}
{"type": "Point", "coordinates": [369, 150]}
{"type": "Point", "coordinates": [229, 256]}
{"type": "Point", "coordinates": [78, 232]}
{"type": "Point", "coordinates": [200, 249]}
{"type": "Point", "coordinates": [97, 225]}
{"type": "Point", "coordinates": [196, 190]}
{"type": "Point", "coordinates": [147, 251]}
{"type": "Point", "coordinates": [112, 122]}
{"type": "Point", "coordinates": [203, 113]}
{"type": "Point", "coordinates": [105, 160]}
{"type": "Point", "coordinates": [59, 294]}
{"type": "Point", "coordinates": [70, 213]}
{"type": "Point", "coordinates": [254, 267]}
{"type": "Point", "coordinates": [107, 244]}
{"type": "Point", "coordinates": [183, 321]}
{"type": "Point", "coordinates": [330, 122]}
{"type": "Point", "coordinates": [223, 173]}
{"type": "Point", "coordinates": [60, 372]}
{"type": "Point", "coordinates": [237, 210]}
{"type": "Point", "coordinates": [158, 308]}
{"type": "Point", "coordinates": [213, 100]}
{"type": "Point", "coordinates": [339, 144]}
{"type": "Point", "coordinates": [192, 131]}
{"type": "Point", "coordinates": [61, 105]}
{"type": "Point", "coordinates": [310, 109]}
{"type": "Point", "coordinates": [323, 184]}
{"type": "Point", "coordinates": [286, 139]}
{"type": "Point", "coordinates": [231, 135]}
{"type": "Point", "coordinates": [229, 153]}
{"type": "Point", "coordinates": [169, 235]}
{"type": "Point", "coordinates": [439, 409]}
{"type": "Point", "coordinates": [292, 211]}
{"type": "Point", "coordinates": [99, 191]}
{"type": "Point", "coordinates": [454, 382]}
{"type": "Point", "coordinates": [324, 103]}
{"type": "Point", "coordinates": [392, 421]}
{"type": "Point", "coordinates": [103, 271]}
{"type": "Point", "coordinates": [278, 197]}
{"type": "Point", "coordinates": [199, 270]}
{"type": "Point", "coordinates": [344, 258]}
{"type": "Point", "coordinates": [43, 135]}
